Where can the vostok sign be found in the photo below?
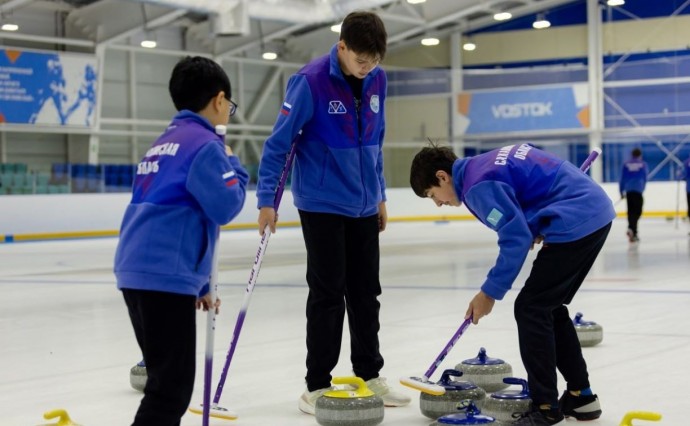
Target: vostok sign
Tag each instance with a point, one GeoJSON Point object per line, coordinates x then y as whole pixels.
{"type": "Point", "coordinates": [527, 109]}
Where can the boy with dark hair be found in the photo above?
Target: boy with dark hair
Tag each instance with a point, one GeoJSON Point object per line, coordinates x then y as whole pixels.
{"type": "Point", "coordinates": [187, 185]}
{"type": "Point", "coordinates": [338, 186]}
{"type": "Point", "coordinates": [528, 196]}
{"type": "Point", "coordinates": [631, 186]}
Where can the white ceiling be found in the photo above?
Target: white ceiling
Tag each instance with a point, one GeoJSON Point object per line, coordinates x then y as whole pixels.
{"type": "Point", "coordinates": [297, 29]}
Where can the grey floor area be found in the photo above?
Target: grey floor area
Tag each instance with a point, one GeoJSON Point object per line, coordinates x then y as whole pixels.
{"type": "Point", "coordinates": [66, 341]}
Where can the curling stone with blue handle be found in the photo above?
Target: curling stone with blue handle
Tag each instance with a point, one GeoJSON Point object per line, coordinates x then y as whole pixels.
{"type": "Point", "coordinates": [588, 332]}
{"type": "Point", "coordinates": [471, 416]}
{"type": "Point", "coordinates": [137, 376]}
{"type": "Point", "coordinates": [485, 372]}
{"type": "Point", "coordinates": [358, 407]}
{"type": "Point", "coordinates": [457, 392]}
{"type": "Point", "coordinates": [506, 405]}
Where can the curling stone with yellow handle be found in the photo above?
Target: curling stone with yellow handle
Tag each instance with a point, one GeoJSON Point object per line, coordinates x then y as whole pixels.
{"type": "Point", "coordinates": [589, 333]}
{"type": "Point", "coordinates": [457, 393]}
{"type": "Point", "coordinates": [485, 372]}
{"type": "Point", "coordinates": [341, 407]}
{"type": "Point", "coordinates": [641, 415]}
{"type": "Point", "coordinates": [63, 418]}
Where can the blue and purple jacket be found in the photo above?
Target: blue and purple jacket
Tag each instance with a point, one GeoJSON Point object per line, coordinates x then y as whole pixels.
{"type": "Point", "coordinates": [186, 186]}
{"type": "Point", "coordinates": [521, 193]}
{"type": "Point", "coordinates": [633, 176]}
{"type": "Point", "coordinates": [338, 166]}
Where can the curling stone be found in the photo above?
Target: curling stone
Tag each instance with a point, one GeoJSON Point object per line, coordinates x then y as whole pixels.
{"type": "Point", "coordinates": [487, 373]}
{"type": "Point", "coordinates": [457, 392]}
{"type": "Point", "coordinates": [471, 416]}
{"type": "Point", "coordinates": [642, 415]}
{"type": "Point", "coordinates": [504, 404]}
{"type": "Point", "coordinates": [588, 332]}
{"type": "Point", "coordinates": [63, 419]}
{"type": "Point", "coordinates": [137, 376]}
{"type": "Point", "coordinates": [359, 407]}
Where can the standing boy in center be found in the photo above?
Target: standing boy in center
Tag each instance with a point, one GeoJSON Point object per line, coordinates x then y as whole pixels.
{"type": "Point", "coordinates": [337, 101]}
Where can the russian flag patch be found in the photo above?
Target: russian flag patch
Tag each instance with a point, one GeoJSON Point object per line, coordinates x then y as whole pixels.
{"type": "Point", "coordinates": [285, 110]}
{"type": "Point", "coordinates": [230, 178]}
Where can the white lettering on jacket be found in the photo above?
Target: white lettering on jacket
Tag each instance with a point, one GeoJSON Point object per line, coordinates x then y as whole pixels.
{"type": "Point", "coordinates": [502, 155]}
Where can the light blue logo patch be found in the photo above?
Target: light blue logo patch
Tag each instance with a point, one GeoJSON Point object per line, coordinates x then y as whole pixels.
{"type": "Point", "coordinates": [374, 103]}
{"type": "Point", "coordinates": [494, 217]}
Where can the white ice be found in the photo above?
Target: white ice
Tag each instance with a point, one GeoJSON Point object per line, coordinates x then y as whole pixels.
{"type": "Point", "coordinates": [66, 341]}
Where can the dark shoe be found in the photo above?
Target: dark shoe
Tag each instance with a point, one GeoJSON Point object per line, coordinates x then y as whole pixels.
{"type": "Point", "coordinates": [583, 407]}
{"type": "Point", "coordinates": [540, 418]}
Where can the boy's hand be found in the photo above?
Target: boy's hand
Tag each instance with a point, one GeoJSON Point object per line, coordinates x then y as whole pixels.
{"type": "Point", "coordinates": [267, 217]}
{"type": "Point", "coordinates": [204, 302]}
{"type": "Point", "coordinates": [480, 306]}
{"type": "Point", "coordinates": [383, 216]}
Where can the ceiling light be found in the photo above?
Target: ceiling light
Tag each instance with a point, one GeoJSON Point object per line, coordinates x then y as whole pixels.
{"type": "Point", "coordinates": [416, 1]}
{"type": "Point", "coordinates": [269, 56]}
{"type": "Point", "coordinates": [469, 46]}
{"type": "Point", "coordinates": [9, 27]}
{"type": "Point", "coordinates": [430, 41]}
{"type": "Point", "coordinates": [502, 16]}
{"type": "Point", "coordinates": [541, 22]}
{"type": "Point", "coordinates": [615, 2]}
{"type": "Point", "coordinates": [149, 44]}
{"type": "Point", "coordinates": [336, 28]}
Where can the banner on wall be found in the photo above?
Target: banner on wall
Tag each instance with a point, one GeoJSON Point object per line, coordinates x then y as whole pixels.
{"type": "Point", "coordinates": [47, 88]}
{"type": "Point", "coordinates": [511, 110]}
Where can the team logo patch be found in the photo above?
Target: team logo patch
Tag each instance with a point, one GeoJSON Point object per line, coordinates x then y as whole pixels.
{"type": "Point", "coordinates": [230, 178]}
{"type": "Point", "coordinates": [336, 107]}
{"type": "Point", "coordinates": [374, 103]}
{"type": "Point", "coordinates": [494, 217]}
{"type": "Point", "coordinates": [286, 108]}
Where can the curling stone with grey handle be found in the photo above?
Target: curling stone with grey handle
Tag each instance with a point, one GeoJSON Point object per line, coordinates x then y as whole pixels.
{"type": "Point", "coordinates": [485, 372]}
{"type": "Point", "coordinates": [137, 376]}
{"type": "Point", "coordinates": [457, 392]}
{"type": "Point", "coordinates": [506, 405]}
{"type": "Point", "coordinates": [588, 332]}
{"type": "Point", "coordinates": [358, 407]}
{"type": "Point", "coordinates": [471, 416]}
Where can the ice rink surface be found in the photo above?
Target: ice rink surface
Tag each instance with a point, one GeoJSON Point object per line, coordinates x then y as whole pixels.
{"type": "Point", "coordinates": [66, 341]}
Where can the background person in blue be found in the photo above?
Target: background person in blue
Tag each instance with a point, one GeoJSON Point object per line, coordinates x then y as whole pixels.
{"type": "Point", "coordinates": [338, 186]}
{"type": "Point", "coordinates": [187, 185]}
{"type": "Point", "coordinates": [631, 186]}
{"type": "Point", "coordinates": [529, 196]}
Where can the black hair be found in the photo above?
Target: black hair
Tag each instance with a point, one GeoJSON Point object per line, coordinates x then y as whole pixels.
{"type": "Point", "coordinates": [364, 33]}
{"type": "Point", "coordinates": [425, 165]}
{"type": "Point", "coordinates": [195, 81]}
{"type": "Point", "coordinates": [637, 152]}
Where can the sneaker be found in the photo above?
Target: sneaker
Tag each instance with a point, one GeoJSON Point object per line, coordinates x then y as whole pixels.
{"type": "Point", "coordinates": [540, 418]}
{"type": "Point", "coordinates": [308, 399]}
{"type": "Point", "coordinates": [631, 235]}
{"type": "Point", "coordinates": [390, 397]}
{"type": "Point", "coordinates": [583, 407]}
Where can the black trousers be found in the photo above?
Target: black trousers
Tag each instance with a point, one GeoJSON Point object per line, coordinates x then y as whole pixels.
{"type": "Point", "coordinates": [687, 194]}
{"type": "Point", "coordinates": [165, 328]}
{"type": "Point", "coordinates": [635, 202]}
{"type": "Point", "coordinates": [343, 275]}
{"type": "Point", "coordinates": [547, 336]}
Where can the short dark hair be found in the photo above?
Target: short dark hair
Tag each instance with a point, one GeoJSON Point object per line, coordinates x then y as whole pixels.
{"type": "Point", "coordinates": [425, 165]}
{"type": "Point", "coordinates": [637, 152]}
{"type": "Point", "coordinates": [195, 81]}
{"type": "Point", "coordinates": [364, 32]}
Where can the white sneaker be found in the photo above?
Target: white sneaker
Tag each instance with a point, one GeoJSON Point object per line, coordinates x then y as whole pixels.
{"type": "Point", "coordinates": [390, 397]}
{"type": "Point", "coordinates": [308, 399]}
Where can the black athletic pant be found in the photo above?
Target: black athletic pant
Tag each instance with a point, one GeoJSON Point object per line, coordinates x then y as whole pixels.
{"type": "Point", "coordinates": [547, 336]}
{"type": "Point", "coordinates": [342, 274]}
{"type": "Point", "coordinates": [635, 202]}
{"type": "Point", "coordinates": [687, 194]}
{"type": "Point", "coordinates": [165, 328]}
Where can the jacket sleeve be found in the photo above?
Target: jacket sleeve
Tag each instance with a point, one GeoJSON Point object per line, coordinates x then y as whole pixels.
{"type": "Point", "coordinates": [218, 183]}
{"type": "Point", "coordinates": [495, 205]}
{"type": "Point", "coordinates": [291, 119]}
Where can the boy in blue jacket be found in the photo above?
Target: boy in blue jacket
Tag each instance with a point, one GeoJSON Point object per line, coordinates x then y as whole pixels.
{"type": "Point", "coordinates": [528, 196]}
{"type": "Point", "coordinates": [338, 186]}
{"type": "Point", "coordinates": [631, 186]}
{"type": "Point", "coordinates": [187, 185]}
